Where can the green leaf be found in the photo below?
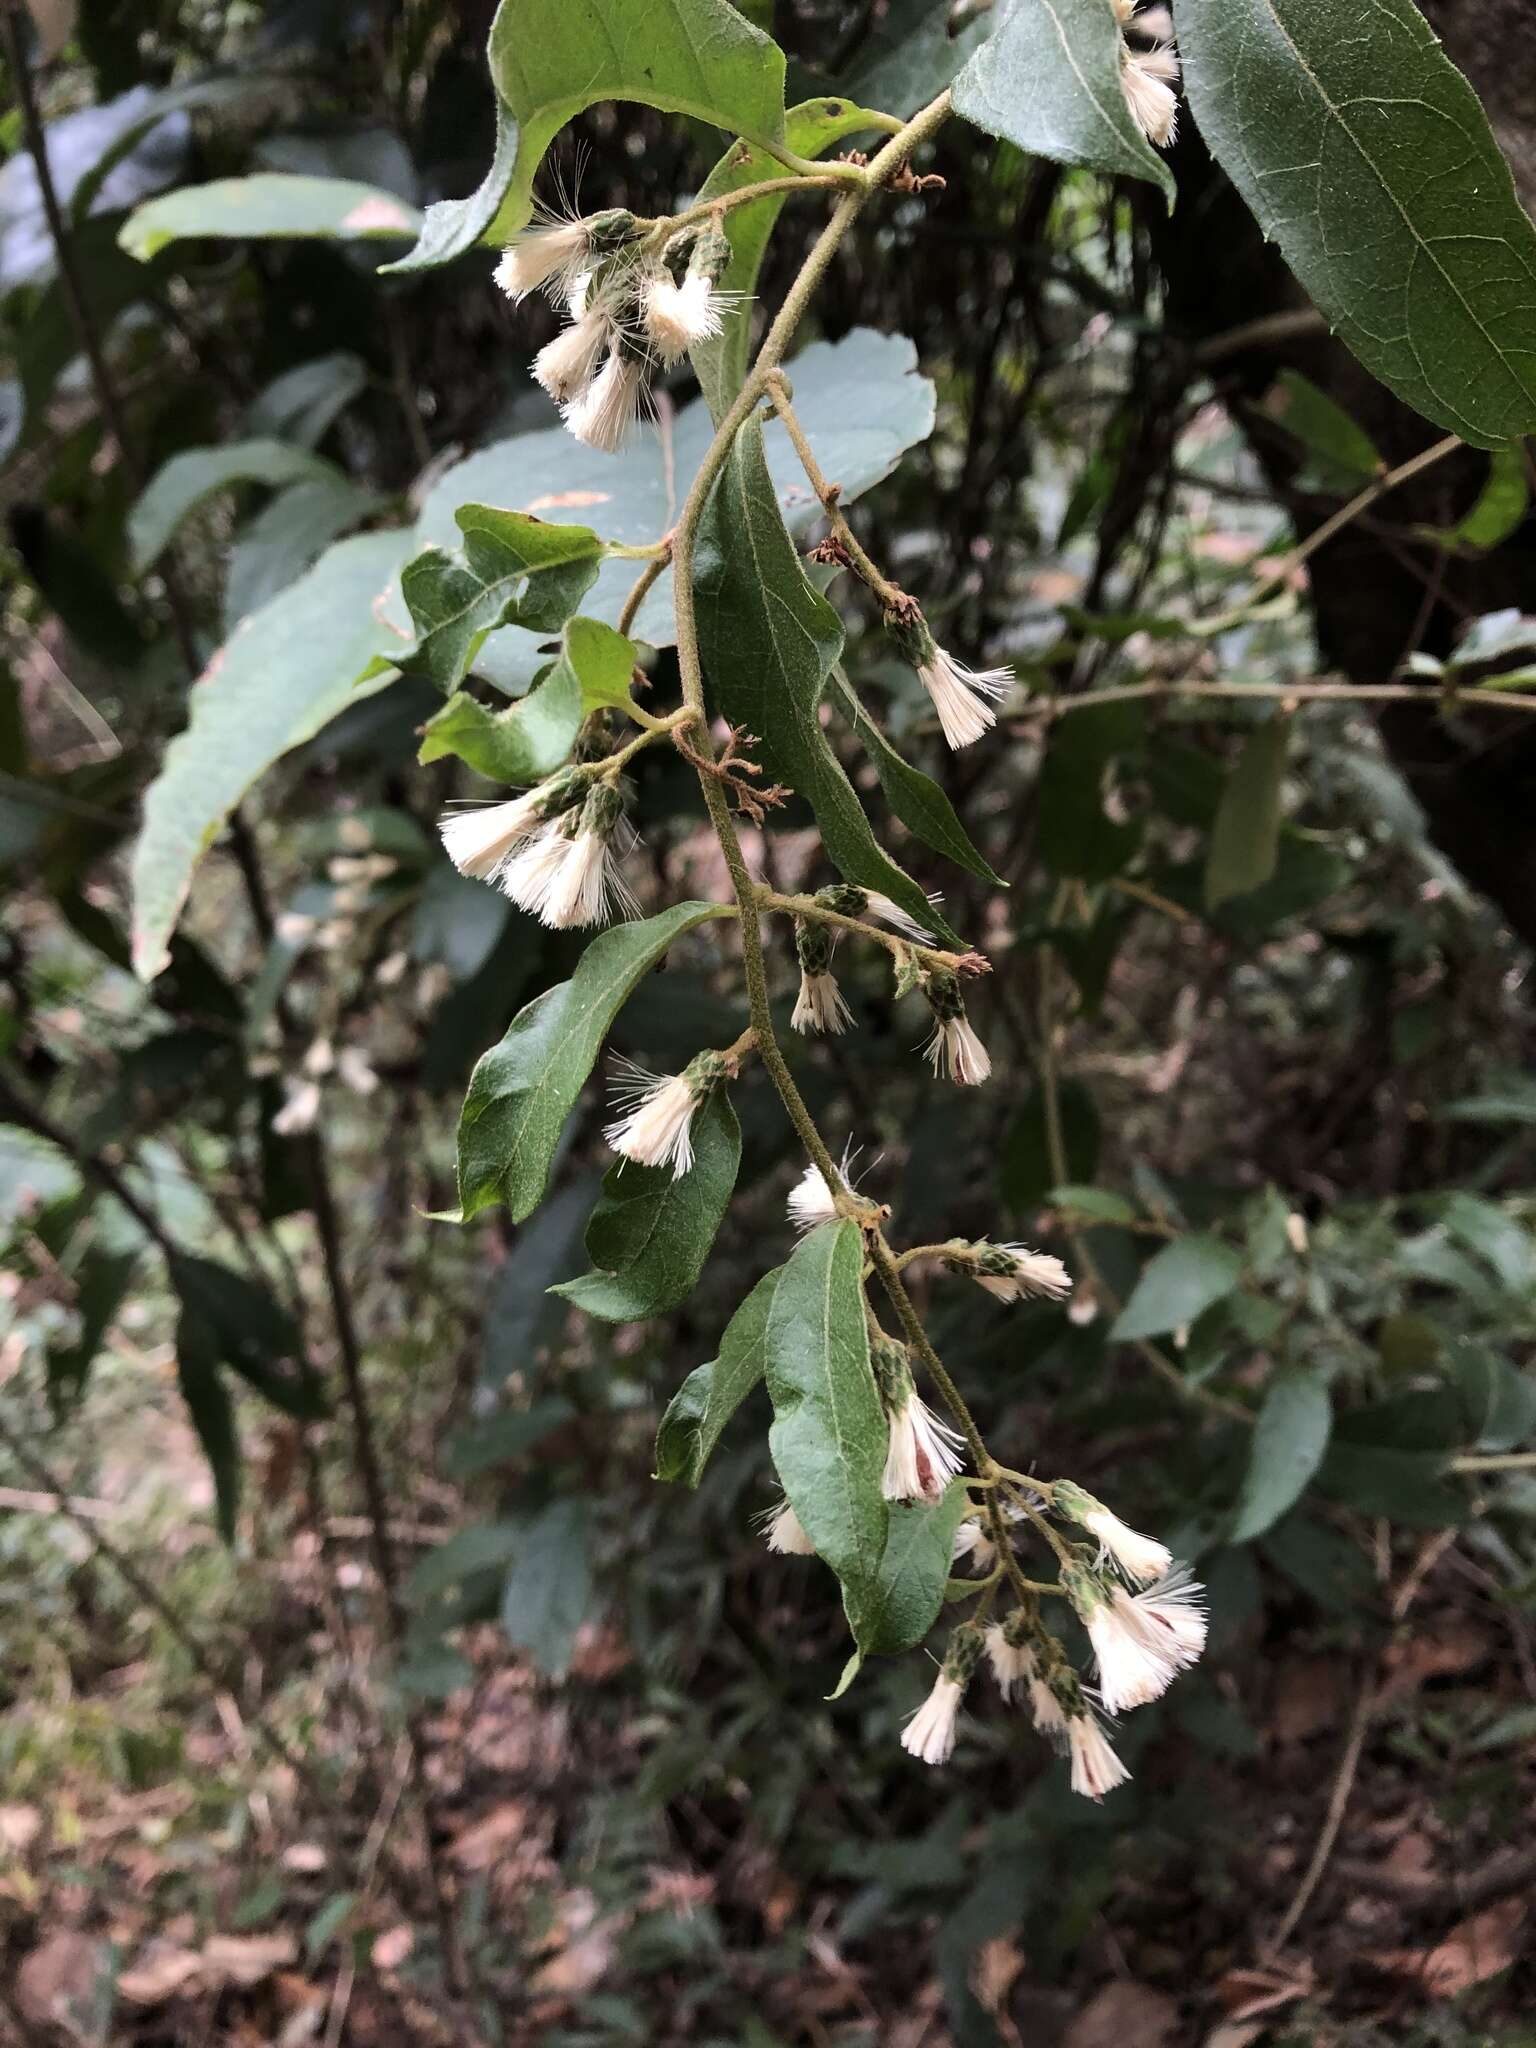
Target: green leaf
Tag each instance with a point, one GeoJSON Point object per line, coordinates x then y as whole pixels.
{"type": "Point", "coordinates": [828, 1437]}
{"type": "Point", "coordinates": [453, 226]}
{"type": "Point", "coordinates": [500, 1439]}
{"type": "Point", "coordinates": [1498, 1399]}
{"type": "Point", "coordinates": [272, 204]}
{"type": "Point", "coordinates": [768, 641]}
{"type": "Point", "coordinates": [1178, 1284]}
{"type": "Point", "coordinates": [1099, 1205]}
{"type": "Point", "coordinates": [1289, 1439]}
{"type": "Point", "coordinates": [916, 798]}
{"type": "Point", "coordinates": [234, 1322]}
{"type": "Point", "coordinates": [1048, 79]}
{"type": "Point", "coordinates": [1404, 1486]}
{"type": "Point", "coordinates": [901, 1606]}
{"type": "Point", "coordinates": [861, 400]}
{"type": "Point", "coordinates": [705, 1402]}
{"type": "Point", "coordinates": [810, 128]}
{"type": "Point", "coordinates": [549, 1587]}
{"type": "Point", "coordinates": [1077, 839]}
{"type": "Point", "coordinates": [1245, 838]}
{"type": "Point", "coordinates": [1363, 152]}
{"type": "Point", "coordinates": [530, 738]}
{"type": "Point", "coordinates": [512, 569]}
{"type": "Point", "coordinates": [187, 479]}
{"type": "Point", "coordinates": [523, 1089]}
{"type": "Point", "coordinates": [909, 56]}
{"type": "Point", "coordinates": [1499, 508]}
{"type": "Point", "coordinates": [213, 1418]}
{"type": "Point", "coordinates": [101, 1280]}
{"type": "Point", "coordinates": [1025, 1171]}
{"type": "Point", "coordinates": [1342, 455]}
{"type": "Point", "coordinates": [550, 60]}
{"type": "Point", "coordinates": [283, 676]}
{"type": "Point", "coordinates": [1483, 1227]}
{"type": "Point", "coordinates": [287, 537]}
{"type": "Point", "coordinates": [650, 1234]}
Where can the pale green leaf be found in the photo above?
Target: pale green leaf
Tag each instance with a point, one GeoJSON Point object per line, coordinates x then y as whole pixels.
{"type": "Point", "coordinates": [531, 737]}
{"type": "Point", "coordinates": [1497, 510]}
{"type": "Point", "coordinates": [1290, 1438]}
{"type": "Point", "coordinates": [548, 1589]}
{"type": "Point", "coordinates": [524, 1088]}
{"type": "Point", "coordinates": [829, 1435]}
{"type": "Point", "coordinates": [1180, 1283]}
{"type": "Point", "coordinates": [650, 1232]}
{"type": "Point", "coordinates": [285, 674]}
{"type": "Point", "coordinates": [909, 56]}
{"type": "Point", "coordinates": [453, 226]}
{"type": "Point", "coordinates": [1245, 837]}
{"type": "Point", "coordinates": [276, 205]}
{"type": "Point", "coordinates": [1364, 153]}
{"type": "Point", "coordinates": [187, 479]}
{"type": "Point", "coordinates": [702, 1406]}
{"type": "Point", "coordinates": [898, 1610]}
{"type": "Point", "coordinates": [1048, 79]}
{"type": "Point", "coordinates": [916, 798]}
{"type": "Point", "coordinates": [287, 537]}
{"type": "Point", "coordinates": [1341, 455]}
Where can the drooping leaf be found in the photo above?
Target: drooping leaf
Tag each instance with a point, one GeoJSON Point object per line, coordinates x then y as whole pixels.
{"type": "Point", "coordinates": [1341, 455]}
{"type": "Point", "coordinates": [1290, 1438]}
{"type": "Point", "coordinates": [304, 403]}
{"type": "Point", "coordinates": [698, 1412]}
{"type": "Point", "coordinates": [534, 735]}
{"type": "Point", "coordinates": [101, 1280]}
{"type": "Point", "coordinates": [650, 1233]}
{"type": "Point", "coordinates": [810, 128]}
{"type": "Point", "coordinates": [909, 56]}
{"type": "Point", "coordinates": [1245, 838]}
{"type": "Point", "coordinates": [513, 568]}
{"type": "Point", "coordinates": [287, 537]}
{"type": "Point", "coordinates": [862, 402]}
{"type": "Point", "coordinates": [916, 798]}
{"type": "Point", "coordinates": [285, 674]}
{"type": "Point", "coordinates": [550, 60]}
{"type": "Point", "coordinates": [828, 1437]}
{"type": "Point", "coordinates": [1178, 1284]}
{"type": "Point", "coordinates": [187, 479]}
{"type": "Point", "coordinates": [453, 226]}
{"type": "Point", "coordinates": [769, 640]}
{"type": "Point", "coordinates": [900, 1607]}
{"type": "Point", "coordinates": [274, 205]}
{"type": "Point", "coordinates": [548, 1589]}
{"type": "Point", "coordinates": [239, 1324]}
{"type": "Point", "coordinates": [1048, 79]}
{"type": "Point", "coordinates": [213, 1418]}
{"type": "Point", "coordinates": [524, 1088]}
{"type": "Point", "coordinates": [1497, 1398]}
{"type": "Point", "coordinates": [1498, 509]}
{"type": "Point", "coordinates": [1363, 152]}
{"type": "Point", "coordinates": [1077, 838]}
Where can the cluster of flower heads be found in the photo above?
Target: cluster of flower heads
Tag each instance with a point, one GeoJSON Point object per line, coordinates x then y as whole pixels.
{"type": "Point", "coordinates": [631, 311]}
{"type": "Point", "coordinates": [554, 850]}
{"type": "Point", "coordinates": [1149, 71]}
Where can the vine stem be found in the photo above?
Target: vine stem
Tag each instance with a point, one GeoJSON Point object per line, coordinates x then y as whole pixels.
{"type": "Point", "coordinates": [807, 906]}
{"type": "Point", "coordinates": [887, 593]}
{"type": "Point", "coordinates": [1288, 693]}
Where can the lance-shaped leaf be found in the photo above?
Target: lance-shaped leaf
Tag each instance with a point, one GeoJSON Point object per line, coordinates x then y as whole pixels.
{"type": "Point", "coordinates": [531, 737]}
{"type": "Point", "coordinates": [721, 364]}
{"type": "Point", "coordinates": [549, 60]}
{"type": "Point", "coordinates": [285, 673]}
{"type": "Point", "coordinates": [1048, 79]}
{"type": "Point", "coordinates": [1364, 153]}
{"type": "Point", "coordinates": [769, 640]}
{"type": "Point", "coordinates": [698, 1412]}
{"type": "Point", "coordinates": [240, 1325]}
{"type": "Point", "coordinates": [650, 1233]}
{"type": "Point", "coordinates": [187, 479]}
{"type": "Point", "coordinates": [1245, 838]}
{"type": "Point", "coordinates": [523, 1089]}
{"type": "Point", "coordinates": [454, 225]}
{"type": "Point", "coordinates": [916, 798]}
{"type": "Point", "coordinates": [279, 205]}
{"type": "Point", "coordinates": [548, 1588]}
{"type": "Point", "coordinates": [1290, 1438]}
{"type": "Point", "coordinates": [899, 1608]}
{"type": "Point", "coordinates": [829, 1435]}
{"type": "Point", "coordinates": [513, 569]}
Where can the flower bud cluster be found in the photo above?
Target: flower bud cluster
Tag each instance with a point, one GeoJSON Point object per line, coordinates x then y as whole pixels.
{"type": "Point", "coordinates": [553, 850]}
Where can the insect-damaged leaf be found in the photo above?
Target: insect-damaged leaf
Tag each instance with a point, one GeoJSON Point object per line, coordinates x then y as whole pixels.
{"type": "Point", "coordinates": [512, 569]}
{"type": "Point", "coordinates": [531, 737]}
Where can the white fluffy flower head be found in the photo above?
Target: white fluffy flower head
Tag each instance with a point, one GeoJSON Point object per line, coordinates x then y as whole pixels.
{"type": "Point", "coordinates": [784, 1533]}
{"type": "Point", "coordinates": [930, 1732]}
{"type": "Point", "coordinates": [1140, 1558]}
{"type": "Point", "coordinates": [1096, 1769]}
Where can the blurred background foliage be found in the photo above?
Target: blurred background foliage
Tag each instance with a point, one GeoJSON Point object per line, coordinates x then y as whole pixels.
{"type": "Point", "coordinates": [1262, 1040]}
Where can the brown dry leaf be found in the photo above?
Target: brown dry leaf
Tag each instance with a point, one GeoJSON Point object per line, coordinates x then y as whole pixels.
{"type": "Point", "coordinates": [1479, 1948]}
{"type": "Point", "coordinates": [56, 1984]}
{"type": "Point", "coordinates": [1124, 2015]}
{"type": "Point", "coordinates": [306, 1858]}
{"type": "Point", "coordinates": [483, 1845]}
{"type": "Point", "coordinates": [1309, 1697]}
{"type": "Point", "coordinates": [159, 1970]}
{"type": "Point", "coordinates": [246, 1959]}
{"type": "Point", "coordinates": [19, 1828]}
{"type": "Point", "coordinates": [1246, 1993]}
{"type": "Point", "coordinates": [995, 1972]}
{"type": "Point", "coordinates": [1454, 1646]}
{"type": "Point", "coordinates": [393, 1946]}
{"type": "Point", "coordinates": [581, 1966]}
{"type": "Point", "coordinates": [1236, 2033]}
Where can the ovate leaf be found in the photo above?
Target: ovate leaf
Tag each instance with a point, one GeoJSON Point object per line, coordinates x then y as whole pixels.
{"type": "Point", "coordinates": [523, 1089]}
{"type": "Point", "coordinates": [1245, 838]}
{"type": "Point", "coordinates": [769, 640]}
{"type": "Point", "coordinates": [650, 1233]}
{"type": "Point", "coordinates": [272, 204]}
{"type": "Point", "coordinates": [1289, 1440]}
{"type": "Point", "coordinates": [1177, 1285]}
{"type": "Point", "coordinates": [531, 737]}
{"type": "Point", "coordinates": [705, 1402]}
{"type": "Point", "coordinates": [1364, 153]}
{"type": "Point", "coordinates": [549, 60]}
{"type": "Point", "coordinates": [549, 1586]}
{"type": "Point", "coordinates": [916, 798]}
{"type": "Point", "coordinates": [512, 569]}
{"type": "Point", "coordinates": [899, 1608]}
{"type": "Point", "coordinates": [1341, 455]}
{"type": "Point", "coordinates": [187, 479]}
{"type": "Point", "coordinates": [288, 536]}
{"type": "Point", "coordinates": [286, 673]}
{"type": "Point", "coordinates": [828, 1437]}
{"type": "Point", "coordinates": [1048, 79]}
